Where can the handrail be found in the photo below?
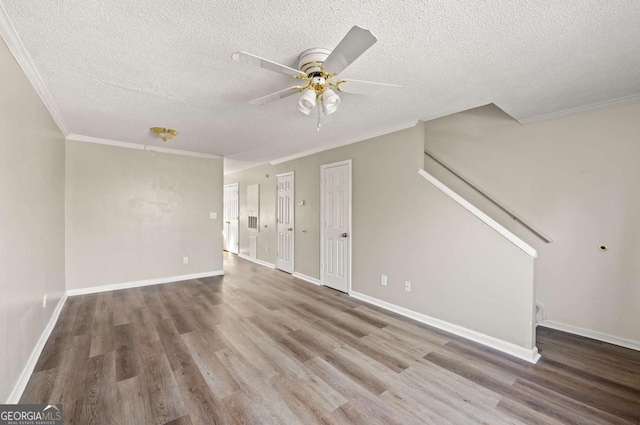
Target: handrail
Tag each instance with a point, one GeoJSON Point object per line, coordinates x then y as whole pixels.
{"type": "Point", "coordinates": [493, 200]}
{"type": "Point", "coordinates": [479, 214]}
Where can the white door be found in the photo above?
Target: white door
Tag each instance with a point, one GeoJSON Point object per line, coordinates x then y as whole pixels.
{"type": "Point", "coordinates": [284, 222]}
{"type": "Point", "coordinates": [335, 261]}
{"type": "Point", "coordinates": [231, 213]}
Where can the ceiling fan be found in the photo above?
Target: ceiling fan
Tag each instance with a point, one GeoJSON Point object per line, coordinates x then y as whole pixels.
{"type": "Point", "coordinates": [318, 70]}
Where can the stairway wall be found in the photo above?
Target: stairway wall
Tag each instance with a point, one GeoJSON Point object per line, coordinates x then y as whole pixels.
{"type": "Point", "coordinates": [577, 180]}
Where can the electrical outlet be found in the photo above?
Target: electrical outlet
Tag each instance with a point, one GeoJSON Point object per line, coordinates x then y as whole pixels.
{"type": "Point", "coordinates": [44, 301]}
{"type": "Point", "coordinates": [407, 286]}
{"type": "Point", "coordinates": [383, 279]}
{"type": "Point", "coordinates": [185, 260]}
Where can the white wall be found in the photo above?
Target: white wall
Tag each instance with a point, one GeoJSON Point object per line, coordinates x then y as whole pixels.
{"type": "Point", "coordinates": [461, 271]}
{"type": "Point", "coordinates": [31, 219]}
{"type": "Point", "coordinates": [133, 215]}
{"type": "Point", "coordinates": [577, 180]}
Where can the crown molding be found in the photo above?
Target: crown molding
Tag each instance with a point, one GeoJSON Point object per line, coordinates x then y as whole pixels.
{"type": "Point", "coordinates": [366, 136]}
{"type": "Point", "coordinates": [19, 52]}
{"type": "Point", "coordinates": [620, 101]}
{"type": "Point", "coordinates": [139, 146]}
{"type": "Point", "coordinates": [246, 167]}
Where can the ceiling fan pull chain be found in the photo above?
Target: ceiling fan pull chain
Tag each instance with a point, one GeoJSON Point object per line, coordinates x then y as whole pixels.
{"type": "Point", "coordinates": [319, 112]}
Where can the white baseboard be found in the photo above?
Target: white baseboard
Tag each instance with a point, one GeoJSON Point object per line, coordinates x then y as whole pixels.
{"type": "Point", "coordinates": [599, 336]}
{"type": "Point", "coordinates": [530, 355]}
{"type": "Point", "coordinates": [273, 266]}
{"type": "Point", "coordinates": [307, 278]}
{"type": "Point", "coordinates": [23, 380]}
{"type": "Point", "coordinates": [255, 260]}
{"type": "Point", "coordinates": [137, 283]}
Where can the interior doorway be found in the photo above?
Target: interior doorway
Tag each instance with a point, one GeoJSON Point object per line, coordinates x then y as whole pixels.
{"type": "Point", "coordinates": [335, 225]}
{"type": "Point", "coordinates": [231, 216]}
{"type": "Point", "coordinates": [285, 222]}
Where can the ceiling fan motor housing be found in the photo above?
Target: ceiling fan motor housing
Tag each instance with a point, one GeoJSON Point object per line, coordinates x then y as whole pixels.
{"type": "Point", "coordinates": [311, 60]}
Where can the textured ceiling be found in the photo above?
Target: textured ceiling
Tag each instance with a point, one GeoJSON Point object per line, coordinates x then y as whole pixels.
{"type": "Point", "coordinates": [114, 69]}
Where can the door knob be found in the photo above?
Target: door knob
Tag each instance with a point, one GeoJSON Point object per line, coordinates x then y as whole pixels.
{"type": "Point", "coordinates": [289, 229]}
{"type": "Point", "coordinates": [344, 235]}
{"type": "Point", "coordinates": [228, 222]}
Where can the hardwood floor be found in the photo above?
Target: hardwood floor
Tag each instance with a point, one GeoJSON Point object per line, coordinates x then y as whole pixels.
{"type": "Point", "coordinates": [259, 346]}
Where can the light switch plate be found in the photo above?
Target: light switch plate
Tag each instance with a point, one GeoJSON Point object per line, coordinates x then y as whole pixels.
{"type": "Point", "coordinates": [407, 286]}
{"type": "Point", "coordinates": [185, 260]}
{"type": "Point", "coordinates": [383, 279]}
{"type": "Point", "coordinates": [213, 215]}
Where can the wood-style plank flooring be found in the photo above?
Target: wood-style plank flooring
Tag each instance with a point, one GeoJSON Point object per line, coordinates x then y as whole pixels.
{"type": "Point", "coordinates": [258, 346]}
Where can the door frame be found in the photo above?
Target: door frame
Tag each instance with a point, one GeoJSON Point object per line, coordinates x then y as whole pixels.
{"type": "Point", "coordinates": [293, 219]}
{"type": "Point", "coordinates": [237, 185]}
{"type": "Point", "coordinates": [323, 167]}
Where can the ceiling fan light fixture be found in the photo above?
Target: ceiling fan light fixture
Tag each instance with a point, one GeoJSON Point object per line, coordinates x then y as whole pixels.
{"type": "Point", "coordinates": [307, 101]}
{"type": "Point", "coordinates": [164, 133]}
{"type": "Point", "coordinates": [304, 110]}
{"type": "Point", "coordinates": [318, 70]}
{"type": "Point", "coordinates": [330, 101]}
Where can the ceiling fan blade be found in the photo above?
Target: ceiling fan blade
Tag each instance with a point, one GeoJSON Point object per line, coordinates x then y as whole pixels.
{"type": "Point", "coordinates": [368, 88]}
{"type": "Point", "coordinates": [354, 44]}
{"type": "Point", "coordinates": [275, 96]}
{"type": "Point", "coordinates": [266, 64]}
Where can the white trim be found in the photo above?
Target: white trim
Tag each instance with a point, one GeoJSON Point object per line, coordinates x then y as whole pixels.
{"type": "Point", "coordinates": [366, 136]}
{"type": "Point", "coordinates": [482, 216]}
{"type": "Point", "coordinates": [323, 167]}
{"type": "Point", "coordinates": [293, 220]}
{"type": "Point", "coordinates": [138, 283]}
{"type": "Point", "coordinates": [255, 260]}
{"type": "Point", "coordinates": [245, 167]}
{"type": "Point", "coordinates": [16, 47]}
{"type": "Point", "coordinates": [599, 336]}
{"type": "Point", "coordinates": [139, 146]}
{"type": "Point", "coordinates": [543, 315]}
{"type": "Point", "coordinates": [307, 278]}
{"type": "Point", "coordinates": [530, 355]}
{"type": "Point", "coordinates": [625, 100]}
{"type": "Point", "coordinates": [23, 380]}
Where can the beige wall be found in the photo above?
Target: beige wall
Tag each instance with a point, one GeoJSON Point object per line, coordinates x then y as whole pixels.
{"type": "Point", "coordinates": [133, 215]}
{"type": "Point", "coordinates": [461, 271]}
{"type": "Point", "coordinates": [31, 219]}
{"type": "Point", "coordinates": [577, 180]}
